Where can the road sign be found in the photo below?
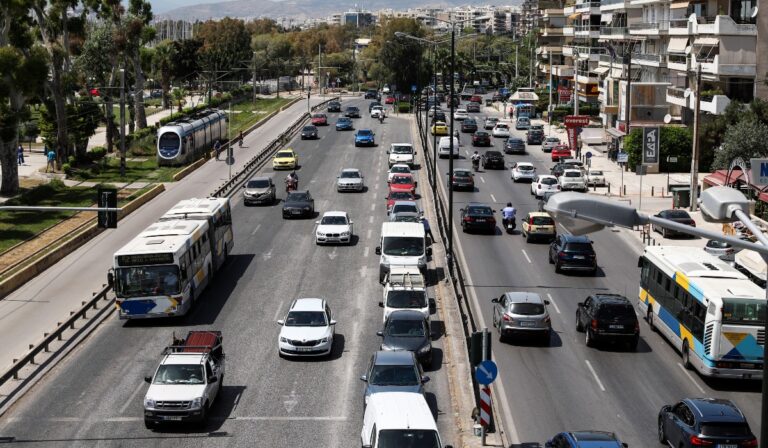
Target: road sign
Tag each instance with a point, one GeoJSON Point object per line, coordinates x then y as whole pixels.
{"type": "Point", "coordinates": [413, 87]}
{"type": "Point", "coordinates": [486, 372]}
{"type": "Point", "coordinates": [588, 154]}
{"type": "Point", "coordinates": [671, 159]}
{"type": "Point", "coordinates": [651, 145]}
{"type": "Point", "coordinates": [622, 157]}
{"type": "Point", "coordinates": [576, 120]}
{"type": "Point", "coordinates": [107, 199]}
{"type": "Point", "coordinates": [759, 171]}
{"type": "Point", "coordinates": [485, 406]}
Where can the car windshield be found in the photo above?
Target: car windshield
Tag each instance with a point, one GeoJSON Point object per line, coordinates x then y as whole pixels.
{"type": "Point", "coordinates": [408, 208]}
{"type": "Point", "coordinates": [502, 126]}
{"type": "Point", "coordinates": [350, 175]}
{"type": "Point", "coordinates": [402, 149]}
{"type": "Point", "coordinates": [612, 311]}
{"type": "Point", "coordinates": [595, 173]}
{"type": "Point", "coordinates": [406, 328]}
{"type": "Point", "coordinates": [318, 115]}
{"type": "Point", "coordinates": [334, 220]}
{"type": "Point", "coordinates": [491, 120]}
{"type": "Point", "coordinates": [469, 121]}
{"type": "Point", "coordinates": [297, 197]}
{"type": "Point", "coordinates": [718, 245]}
{"type": "Point", "coordinates": [283, 154]}
{"type": "Point", "coordinates": [387, 375]}
{"type": "Point", "coordinates": [400, 169]}
{"type": "Point", "coordinates": [553, 140]}
{"type": "Point", "coordinates": [406, 299]}
{"type": "Point", "coordinates": [525, 167]}
{"type": "Point", "coordinates": [309, 128]}
{"type": "Point", "coordinates": [179, 374]}
{"type": "Point", "coordinates": [579, 247]}
{"type": "Point", "coordinates": [306, 319]}
{"type": "Point", "coordinates": [408, 438]}
{"type": "Point", "coordinates": [548, 181]}
{"type": "Point", "coordinates": [462, 174]}
{"type": "Point", "coordinates": [481, 134]}
{"type": "Point", "coordinates": [257, 183]}
{"type": "Point", "coordinates": [542, 221]}
{"type": "Point", "coordinates": [364, 132]}
{"type": "Point", "coordinates": [403, 246]}
{"type": "Point", "coordinates": [572, 174]}
{"type": "Point", "coordinates": [493, 154]}
{"type": "Point", "coordinates": [677, 214]}
{"type": "Point", "coordinates": [479, 211]}
{"type": "Point", "coordinates": [400, 195]}
{"type": "Point", "coordinates": [344, 120]}
{"type": "Point", "coordinates": [744, 311]}
{"type": "Point", "coordinates": [527, 309]}
{"type": "Point", "coordinates": [143, 281]}
{"type": "Point", "coordinates": [401, 180]}
{"type": "Point", "coordinates": [717, 429]}
{"type": "Point", "coordinates": [352, 109]}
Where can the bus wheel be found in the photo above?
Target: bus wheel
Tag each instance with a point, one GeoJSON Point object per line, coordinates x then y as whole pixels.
{"type": "Point", "coordinates": [686, 356]}
{"type": "Point", "coordinates": [649, 318]}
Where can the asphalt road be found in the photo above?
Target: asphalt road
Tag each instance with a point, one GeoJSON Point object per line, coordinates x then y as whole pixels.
{"type": "Point", "coordinates": [565, 385]}
{"type": "Point", "coordinates": [94, 398]}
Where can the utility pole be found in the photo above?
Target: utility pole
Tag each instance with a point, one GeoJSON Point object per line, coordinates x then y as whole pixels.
{"type": "Point", "coordinates": [319, 63]}
{"type": "Point", "coordinates": [530, 72]}
{"type": "Point", "coordinates": [628, 117]}
{"type": "Point", "coordinates": [254, 77]}
{"type": "Point", "coordinates": [549, 107]}
{"type": "Point", "coordinates": [696, 130]}
{"type": "Point", "coordinates": [450, 156]}
{"type": "Point", "coordinates": [575, 84]}
{"type": "Point", "coordinates": [517, 72]}
{"type": "Point", "coordinates": [122, 121]}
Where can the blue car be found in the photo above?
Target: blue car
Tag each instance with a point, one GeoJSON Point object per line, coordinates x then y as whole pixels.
{"type": "Point", "coordinates": [364, 137]}
{"type": "Point", "coordinates": [344, 124]}
{"type": "Point", "coordinates": [585, 439]}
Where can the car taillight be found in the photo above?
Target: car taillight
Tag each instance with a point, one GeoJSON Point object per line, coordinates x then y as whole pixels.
{"type": "Point", "coordinates": [557, 187]}
{"type": "Point", "coordinates": [467, 219]}
{"type": "Point", "coordinates": [561, 254]}
{"type": "Point", "coordinates": [692, 223]}
{"type": "Point", "coordinates": [698, 441]}
{"type": "Point", "coordinates": [637, 327]}
{"type": "Point", "coordinates": [594, 324]}
{"type": "Point", "coordinates": [538, 185]}
{"type": "Point", "coordinates": [530, 222]}
{"type": "Point", "coordinates": [492, 220]}
{"type": "Point", "coordinates": [749, 443]}
{"type": "Point", "coordinates": [506, 318]}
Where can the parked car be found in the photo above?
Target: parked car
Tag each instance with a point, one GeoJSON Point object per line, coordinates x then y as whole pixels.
{"type": "Point", "coordinates": [319, 119]}
{"type": "Point", "coordinates": [549, 144]}
{"type": "Point", "coordinates": [560, 152]}
{"type": "Point", "coordinates": [481, 138]}
{"type": "Point", "coordinates": [522, 313]}
{"type": "Point", "coordinates": [523, 171]}
{"type": "Point", "coordinates": [697, 422]}
{"type": "Point", "coordinates": [350, 179]}
{"type": "Point", "coordinates": [309, 132]}
{"type": "Point", "coordinates": [469, 125]}
{"type": "Point", "coordinates": [514, 145]}
{"type": "Point", "coordinates": [492, 160]}
{"type": "Point", "coordinates": [462, 179]}
{"type": "Point", "coordinates": [538, 225]}
{"type": "Point", "coordinates": [478, 217]}
{"type": "Point", "coordinates": [572, 252]}
{"type": "Point", "coordinates": [393, 371]}
{"type": "Point", "coordinates": [572, 180]}
{"type": "Point", "coordinates": [408, 330]}
{"type": "Point", "coordinates": [596, 178]}
{"type": "Point", "coordinates": [608, 317]}
{"type": "Point", "coordinates": [676, 215]}
{"type": "Point", "coordinates": [585, 439]}
{"type": "Point", "coordinates": [501, 130]}
{"type": "Point", "coordinates": [298, 203]}
{"type": "Point", "coordinates": [334, 227]}
{"type": "Point", "coordinates": [259, 190]}
{"type": "Point", "coordinates": [544, 183]}
{"type": "Point", "coordinates": [307, 329]}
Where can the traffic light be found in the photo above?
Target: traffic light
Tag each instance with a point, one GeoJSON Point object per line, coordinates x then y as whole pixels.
{"type": "Point", "coordinates": [107, 199]}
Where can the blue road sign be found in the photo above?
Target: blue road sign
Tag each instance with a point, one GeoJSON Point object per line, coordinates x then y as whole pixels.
{"type": "Point", "coordinates": [588, 154]}
{"type": "Point", "coordinates": [486, 372]}
{"type": "Point", "coordinates": [413, 87]}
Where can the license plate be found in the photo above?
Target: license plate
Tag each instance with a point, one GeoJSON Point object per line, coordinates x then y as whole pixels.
{"type": "Point", "coordinates": [526, 323]}
{"type": "Point", "coordinates": [175, 418]}
{"type": "Point", "coordinates": [747, 366]}
{"type": "Point", "coordinates": [304, 349]}
{"type": "Point", "coordinates": [615, 327]}
{"type": "Point", "coordinates": [480, 220]}
{"type": "Point", "coordinates": [578, 257]}
{"type": "Point", "coordinates": [295, 212]}
{"type": "Point", "coordinates": [727, 445]}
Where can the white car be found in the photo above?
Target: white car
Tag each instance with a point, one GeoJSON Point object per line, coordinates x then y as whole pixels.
{"type": "Point", "coordinates": [460, 114]}
{"type": "Point", "coordinates": [572, 180]}
{"type": "Point", "coordinates": [544, 183]}
{"type": "Point", "coordinates": [334, 227]}
{"type": "Point", "coordinates": [385, 89]}
{"type": "Point", "coordinates": [378, 111]}
{"type": "Point", "coordinates": [444, 147]}
{"type": "Point", "coordinates": [549, 143]}
{"type": "Point", "coordinates": [595, 177]}
{"type": "Point", "coordinates": [523, 171]}
{"type": "Point", "coordinates": [398, 168]}
{"type": "Point", "coordinates": [433, 109]}
{"type": "Point", "coordinates": [350, 179]}
{"type": "Point", "coordinates": [501, 130]}
{"type": "Point", "coordinates": [307, 329]}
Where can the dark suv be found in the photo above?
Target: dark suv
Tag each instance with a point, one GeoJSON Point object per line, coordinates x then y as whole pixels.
{"type": "Point", "coordinates": [606, 317]}
{"type": "Point", "coordinates": [704, 422]}
{"type": "Point", "coordinates": [493, 160]}
{"type": "Point", "coordinates": [535, 137]}
{"type": "Point", "coordinates": [572, 253]}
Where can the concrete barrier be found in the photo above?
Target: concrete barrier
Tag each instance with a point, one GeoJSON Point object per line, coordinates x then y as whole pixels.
{"type": "Point", "coordinates": [187, 170]}
{"type": "Point", "coordinates": [83, 235]}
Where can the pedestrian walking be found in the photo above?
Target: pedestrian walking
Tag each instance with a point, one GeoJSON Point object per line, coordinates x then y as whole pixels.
{"type": "Point", "coordinates": [51, 156]}
{"type": "Point", "coordinates": [20, 154]}
{"type": "Point", "coordinates": [240, 143]}
{"type": "Point", "coordinates": [427, 229]}
{"type": "Point", "coordinates": [217, 148]}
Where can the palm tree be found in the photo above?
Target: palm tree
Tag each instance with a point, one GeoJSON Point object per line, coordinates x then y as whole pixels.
{"type": "Point", "coordinates": [163, 61]}
{"type": "Point", "coordinates": [179, 94]}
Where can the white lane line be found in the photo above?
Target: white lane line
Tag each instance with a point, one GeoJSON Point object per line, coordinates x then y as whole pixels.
{"type": "Point", "coordinates": [526, 256]}
{"type": "Point", "coordinates": [279, 309]}
{"type": "Point", "coordinates": [376, 188]}
{"type": "Point", "coordinates": [256, 229]}
{"type": "Point", "coordinates": [466, 152]}
{"type": "Point", "coordinates": [293, 418]}
{"type": "Point", "coordinates": [690, 377]}
{"type": "Point", "coordinates": [599, 383]}
{"type": "Point", "coordinates": [375, 195]}
{"type": "Point", "coordinates": [370, 219]}
{"type": "Point", "coordinates": [130, 400]}
{"type": "Point", "coordinates": [365, 251]}
{"type": "Point", "coordinates": [493, 198]}
{"type": "Point", "coordinates": [564, 229]}
{"type": "Point", "coordinates": [552, 301]}
{"type": "Point", "coordinates": [215, 417]}
{"type": "Point", "coordinates": [368, 234]}
{"type": "Point", "coordinates": [373, 207]}
{"type": "Point", "coordinates": [481, 179]}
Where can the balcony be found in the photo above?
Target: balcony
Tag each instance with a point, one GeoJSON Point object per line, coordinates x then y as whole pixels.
{"type": "Point", "coordinates": [551, 31]}
{"type": "Point", "coordinates": [676, 95]}
{"type": "Point", "coordinates": [549, 49]}
{"type": "Point", "coordinates": [592, 7]}
{"type": "Point", "coordinates": [563, 71]}
{"type": "Point", "coordinates": [714, 104]}
{"type": "Point", "coordinates": [591, 53]}
{"type": "Point", "coordinates": [649, 28]}
{"type": "Point", "coordinates": [723, 26]}
{"type": "Point", "coordinates": [568, 30]}
{"type": "Point", "coordinates": [680, 27]}
{"type": "Point", "coordinates": [583, 77]}
{"type": "Point", "coordinates": [612, 5]}
{"type": "Point", "coordinates": [587, 31]}
{"type": "Point", "coordinates": [678, 62]}
{"type": "Point", "coordinates": [614, 32]}
{"type": "Point", "coordinates": [649, 59]}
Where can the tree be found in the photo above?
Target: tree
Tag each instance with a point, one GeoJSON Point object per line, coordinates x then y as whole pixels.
{"type": "Point", "coordinates": [714, 127]}
{"type": "Point", "coordinates": [746, 139]}
{"type": "Point", "coordinates": [184, 61]}
{"type": "Point", "coordinates": [162, 59]}
{"type": "Point", "coordinates": [137, 33]}
{"type": "Point", "coordinates": [179, 95]}
{"type": "Point", "coordinates": [226, 49]}
{"type": "Point", "coordinates": [394, 51]}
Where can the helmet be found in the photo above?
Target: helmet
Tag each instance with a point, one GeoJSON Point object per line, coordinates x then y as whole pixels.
{"type": "Point", "coordinates": [475, 152]}
{"type": "Point", "coordinates": [509, 204]}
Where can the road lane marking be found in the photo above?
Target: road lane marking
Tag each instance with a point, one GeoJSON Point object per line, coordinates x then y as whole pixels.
{"type": "Point", "coordinates": [368, 234]}
{"type": "Point", "coordinates": [526, 256]}
{"type": "Point", "coordinates": [594, 374]}
{"type": "Point", "coordinates": [481, 179]}
{"type": "Point", "coordinates": [552, 301]}
{"type": "Point", "coordinates": [375, 196]}
{"type": "Point", "coordinates": [688, 374]}
{"type": "Point", "coordinates": [266, 255]}
{"type": "Point", "coordinates": [564, 229]}
{"type": "Point", "coordinates": [373, 207]}
{"type": "Point", "coordinates": [370, 219]}
{"type": "Point", "coordinates": [256, 229]}
{"type": "Point", "coordinates": [493, 198]}
{"type": "Point", "coordinates": [365, 251]}
{"type": "Point", "coordinates": [130, 400]}
{"type": "Point", "coordinates": [279, 309]}
{"type": "Point", "coordinates": [376, 188]}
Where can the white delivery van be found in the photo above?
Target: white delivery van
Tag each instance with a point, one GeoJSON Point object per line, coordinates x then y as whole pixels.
{"type": "Point", "coordinates": [402, 244]}
{"type": "Point", "coordinates": [444, 147]}
{"type": "Point", "coordinates": [399, 419]}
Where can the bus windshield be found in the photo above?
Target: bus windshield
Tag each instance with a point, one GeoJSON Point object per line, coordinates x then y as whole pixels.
{"type": "Point", "coordinates": [142, 281]}
{"type": "Point", "coordinates": [744, 311]}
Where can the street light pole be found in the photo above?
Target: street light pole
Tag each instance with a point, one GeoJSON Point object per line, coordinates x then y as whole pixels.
{"type": "Point", "coordinates": [450, 156]}
{"type": "Point", "coordinates": [122, 122]}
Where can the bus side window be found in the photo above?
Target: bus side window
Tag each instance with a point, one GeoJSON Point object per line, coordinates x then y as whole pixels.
{"type": "Point", "coordinates": [644, 272]}
{"type": "Point", "coordinates": [183, 266]}
{"type": "Point", "coordinates": [667, 284]}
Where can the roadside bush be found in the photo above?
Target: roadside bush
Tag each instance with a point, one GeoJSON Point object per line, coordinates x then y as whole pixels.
{"type": "Point", "coordinates": [97, 153]}
{"type": "Point", "coordinates": [67, 168]}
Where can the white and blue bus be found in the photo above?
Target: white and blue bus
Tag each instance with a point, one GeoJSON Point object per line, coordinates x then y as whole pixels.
{"type": "Point", "coordinates": [709, 311]}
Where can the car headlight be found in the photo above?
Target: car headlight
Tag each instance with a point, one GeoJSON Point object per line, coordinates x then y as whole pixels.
{"type": "Point", "coordinates": [345, 233]}
{"type": "Point", "coordinates": [284, 340]}
{"type": "Point", "coordinates": [306, 209]}
{"type": "Point", "coordinates": [197, 403]}
{"type": "Point", "coordinates": [425, 349]}
{"type": "Point", "coordinates": [320, 234]}
{"type": "Point", "coordinates": [324, 340]}
{"type": "Point", "coordinates": [149, 403]}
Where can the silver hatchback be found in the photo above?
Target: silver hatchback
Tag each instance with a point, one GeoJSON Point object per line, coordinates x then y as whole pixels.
{"type": "Point", "coordinates": [523, 313]}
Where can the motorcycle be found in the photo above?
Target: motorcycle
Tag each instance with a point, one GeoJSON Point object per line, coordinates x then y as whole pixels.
{"type": "Point", "coordinates": [381, 118]}
{"type": "Point", "coordinates": [509, 225]}
{"type": "Point", "coordinates": [476, 164]}
{"type": "Point", "coordinates": [291, 185]}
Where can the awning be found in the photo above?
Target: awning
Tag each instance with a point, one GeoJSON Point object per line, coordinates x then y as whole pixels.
{"type": "Point", "coordinates": [679, 5]}
{"type": "Point", "coordinates": [615, 133]}
{"type": "Point", "coordinates": [601, 70]}
{"type": "Point", "coordinates": [574, 15]}
{"type": "Point", "coordinates": [677, 44]}
{"type": "Point", "coordinates": [616, 73]}
{"type": "Point", "coordinates": [707, 41]}
{"type": "Point", "coordinates": [586, 15]}
{"type": "Point", "coordinates": [606, 17]}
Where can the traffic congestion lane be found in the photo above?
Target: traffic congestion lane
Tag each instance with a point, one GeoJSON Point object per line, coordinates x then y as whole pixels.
{"type": "Point", "coordinates": [628, 385]}
{"type": "Point", "coordinates": [282, 402]}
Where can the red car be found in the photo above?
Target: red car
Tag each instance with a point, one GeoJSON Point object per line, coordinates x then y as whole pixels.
{"type": "Point", "coordinates": [398, 195]}
{"type": "Point", "coordinates": [475, 99]}
{"type": "Point", "coordinates": [402, 182]}
{"type": "Point", "coordinates": [389, 100]}
{"type": "Point", "coordinates": [319, 120]}
{"type": "Point", "coordinates": [560, 152]}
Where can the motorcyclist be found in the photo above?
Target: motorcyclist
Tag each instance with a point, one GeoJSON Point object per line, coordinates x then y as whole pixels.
{"type": "Point", "coordinates": [508, 214]}
{"type": "Point", "coordinates": [476, 160]}
{"type": "Point", "coordinates": [381, 116]}
{"type": "Point", "coordinates": [292, 181]}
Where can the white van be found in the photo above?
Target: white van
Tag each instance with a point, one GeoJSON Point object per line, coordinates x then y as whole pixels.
{"type": "Point", "coordinates": [444, 147]}
{"type": "Point", "coordinates": [402, 244]}
{"type": "Point", "coordinates": [399, 419]}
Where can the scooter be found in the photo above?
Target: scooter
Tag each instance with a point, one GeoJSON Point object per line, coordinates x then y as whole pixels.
{"type": "Point", "coordinates": [509, 225]}
{"type": "Point", "coordinates": [381, 118]}
{"type": "Point", "coordinates": [476, 165]}
{"type": "Point", "coordinates": [291, 186]}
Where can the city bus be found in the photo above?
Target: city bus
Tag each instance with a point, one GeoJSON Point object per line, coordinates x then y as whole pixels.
{"type": "Point", "coordinates": [712, 313]}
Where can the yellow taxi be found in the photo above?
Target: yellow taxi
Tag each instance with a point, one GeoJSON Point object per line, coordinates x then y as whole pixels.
{"type": "Point", "coordinates": [439, 128]}
{"type": "Point", "coordinates": [285, 159]}
{"type": "Point", "coordinates": [538, 225]}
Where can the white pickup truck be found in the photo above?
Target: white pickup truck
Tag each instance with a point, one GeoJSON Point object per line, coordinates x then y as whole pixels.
{"type": "Point", "coordinates": [405, 289]}
{"type": "Point", "coordinates": [187, 381]}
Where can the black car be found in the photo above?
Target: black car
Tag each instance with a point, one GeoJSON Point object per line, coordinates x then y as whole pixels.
{"type": "Point", "coordinates": [440, 97]}
{"type": "Point", "coordinates": [370, 94]}
{"type": "Point", "coordinates": [309, 131]}
{"type": "Point", "coordinates": [680, 216]}
{"type": "Point", "coordinates": [408, 330]}
{"type": "Point", "coordinates": [481, 138]}
{"type": "Point", "coordinates": [608, 317]}
{"type": "Point", "coordinates": [497, 97]}
{"type": "Point", "coordinates": [709, 422]}
{"type": "Point", "coordinates": [372, 105]}
{"type": "Point", "coordinates": [352, 112]}
{"type": "Point", "coordinates": [478, 217]}
{"type": "Point", "coordinates": [438, 116]}
{"type": "Point", "coordinates": [462, 180]}
{"type": "Point", "coordinates": [492, 160]}
{"type": "Point", "coordinates": [469, 125]}
{"type": "Point", "coordinates": [571, 252]}
{"type": "Point", "coordinates": [535, 137]}
{"type": "Point", "coordinates": [334, 106]}
{"type": "Point", "coordinates": [298, 204]}
{"type": "Point", "coordinates": [473, 107]}
{"type": "Point", "coordinates": [514, 145]}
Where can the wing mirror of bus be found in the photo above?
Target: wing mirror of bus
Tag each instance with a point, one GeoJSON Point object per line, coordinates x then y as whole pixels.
{"type": "Point", "coordinates": [378, 250]}
{"type": "Point", "coordinates": [429, 251]}
{"type": "Point", "coordinates": [148, 379]}
{"type": "Point", "coordinates": [639, 262]}
{"type": "Point", "coordinates": [111, 279]}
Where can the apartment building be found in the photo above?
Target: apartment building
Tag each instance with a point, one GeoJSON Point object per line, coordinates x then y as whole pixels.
{"type": "Point", "coordinates": [552, 63]}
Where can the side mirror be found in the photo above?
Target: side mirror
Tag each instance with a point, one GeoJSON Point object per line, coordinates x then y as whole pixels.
{"type": "Point", "coordinates": [495, 300]}
{"type": "Point", "coordinates": [381, 304]}
{"type": "Point", "coordinates": [333, 322]}
{"type": "Point", "coordinates": [148, 379]}
{"type": "Point", "coordinates": [546, 302]}
{"type": "Point", "coordinates": [581, 304]}
{"type": "Point", "coordinates": [424, 379]}
{"type": "Point", "coordinates": [317, 222]}
{"type": "Point", "coordinates": [624, 445]}
{"type": "Point", "coordinates": [639, 262]}
{"type": "Point", "coordinates": [111, 279]}
{"type": "Point", "coordinates": [364, 378]}
{"type": "Point", "coordinates": [243, 186]}
{"type": "Point", "coordinates": [212, 380]}
{"type": "Point", "coordinates": [378, 250]}
{"type": "Point", "coordinates": [281, 322]}
{"type": "Point", "coordinates": [351, 222]}
{"type": "Point", "coordinates": [379, 333]}
{"type": "Point", "coordinates": [429, 251]}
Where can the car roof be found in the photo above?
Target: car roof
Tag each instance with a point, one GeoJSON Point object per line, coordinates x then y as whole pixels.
{"type": "Point", "coordinates": [401, 144]}
{"type": "Point", "coordinates": [715, 409]}
{"type": "Point", "coordinates": [524, 297]}
{"type": "Point", "coordinates": [406, 314]}
{"type": "Point", "coordinates": [300, 192]}
{"type": "Point", "coordinates": [576, 238]}
{"type": "Point", "coordinates": [493, 152]}
{"type": "Point", "coordinates": [524, 163]}
{"type": "Point", "coordinates": [611, 298]}
{"type": "Point", "coordinates": [594, 436]}
{"type": "Point", "coordinates": [394, 358]}
{"type": "Point", "coordinates": [261, 178]}
{"type": "Point", "coordinates": [408, 175]}
{"type": "Point", "coordinates": [398, 410]}
{"type": "Point", "coordinates": [335, 213]}
{"type": "Point", "coordinates": [413, 203]}
{"type": "Point", "coordinates": [539, 214]}
{"type": "Point", "coordinates": [477, 204]}
{"type": "Point", "coordinates": [308, 304]}
{"type": "Point", "coordinates": [400, 165]}
{"type": "Point", "coordinates": [350, 170]}
{"type": "Point", "coordinates": [569, 170]}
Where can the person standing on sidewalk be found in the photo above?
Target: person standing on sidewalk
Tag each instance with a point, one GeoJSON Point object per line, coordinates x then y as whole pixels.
{"type": "Point", "coordinates": [217, 148]}
{"type": "Point", "coordinates": [428, 230]}
{"type": "Point", "coordinates": [20, 154]}
{"type": "Point", "coordinates": [51, 156]}
{"type": "Point", "coordinates": [242, 139]}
